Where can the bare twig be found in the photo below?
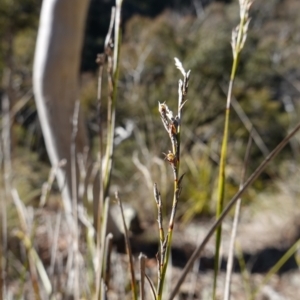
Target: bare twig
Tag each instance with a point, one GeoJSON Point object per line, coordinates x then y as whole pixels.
{"type": "Point", "coordinates": [235, 225]}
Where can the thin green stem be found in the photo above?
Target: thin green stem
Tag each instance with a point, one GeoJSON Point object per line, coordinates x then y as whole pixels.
{"type": "Point", "coordinates": [221, 194]}
{"type": "Point", "coordinates": [237, 47]}
{"type": "Point", "coordinates": [168, 243]}
{"type": "Point", "coordinates": [113, 75]}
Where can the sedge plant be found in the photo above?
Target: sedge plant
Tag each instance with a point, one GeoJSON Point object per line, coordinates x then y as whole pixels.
{"type": "Point", "coordinates": [110, 58]}
{"type": "Point", "coordinates": [239, 35]}
{"type": "Point", "coordinates": [172, 125]}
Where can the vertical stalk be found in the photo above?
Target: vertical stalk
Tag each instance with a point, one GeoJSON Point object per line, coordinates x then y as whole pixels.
{"type": "Point", "coordinates": [101, 208]}
{"type": "Point", "coordinates": [113, 75]}
{"type": "Point", "coordinates": [142, 260]}
{"type": "Point", "coordinates": [238, 40]}
{"type": "Point", "coordinates": [7, 174]}
{"type": "Point", "coordinates": [235, 225]}
{"type": "Point", "coordinates": [173, 127]}
{"type": "Point", "coordinates": [99, 216]}
{"type": "Point", "coordinates": [112, 59]}
{"type": "Point", "coordinates": [129, 252]}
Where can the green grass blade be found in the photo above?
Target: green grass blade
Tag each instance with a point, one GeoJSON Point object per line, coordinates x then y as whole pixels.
{"type": "Point", "coordinates": [238, 40]}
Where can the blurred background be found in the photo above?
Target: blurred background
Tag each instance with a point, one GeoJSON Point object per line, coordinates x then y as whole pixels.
{"type": "Point", "coordinates": [266, 93]}
{"type": "Point", "coordinates": [266, 100]}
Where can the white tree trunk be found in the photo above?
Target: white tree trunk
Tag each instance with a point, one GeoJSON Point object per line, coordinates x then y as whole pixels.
{"type": "Point", "coordinates": [56, 83]}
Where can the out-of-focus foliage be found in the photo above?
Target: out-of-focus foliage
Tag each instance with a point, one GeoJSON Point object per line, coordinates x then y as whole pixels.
{"type": "Point", "coordinates": [99, 17]}
{"type": "Point", "coordinates": [267, 86]}
{"type": "Point", "coordinates": [267, 79]}
{"type": "Point", "coordinates": [18, 23]}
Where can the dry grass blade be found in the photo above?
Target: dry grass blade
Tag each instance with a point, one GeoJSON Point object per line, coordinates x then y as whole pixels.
{"type": "Point", "coordinates": [107, 253]}
{"type": "Point", "coordinates": [46, 188]}
{"type": "Point", "coordinates": [41, 271]}
{"type": "Point", "coordinates": [101, 58]}
{"type": "Point", "coordinates": [142, 259]}
{"type": "Point", "coordinates": [3, 247]}
{"type": "Point", "coordinates": [151, 287]}
{"type": "Point", "coordinates": [35, 264]}
{"type": "Point", "coordinates": [103, 290]}
{"type": "Point", "coordinates": [117, 39]}
{"type": "Point", "coordinates": [143, 169]}
{"type": "Point", "coordinates": [227, 209]}
{"type": "Point", "coordinates": [101, 247]}
{"type": "Point", "coordinates": [128, 249]}
{"type": "Point", "coordinates": [235, 225]}
{"type": "Point", "coordinates": [55, 242]}
{"type": "Point", "coordinates": [32, 268]}
{"type": "Point", "coordinates": [113, 75]}
{"type": "Point", "coordinates": [7, 171]}
{"type": "Point", "coordinates": [18, 107]}
{"type": "Point", "coordinates": [248, 124]}
{"type": "Point", "coordinates": [109, 33]}
{"type": "Point", "coordinates": [21, 210]}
